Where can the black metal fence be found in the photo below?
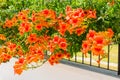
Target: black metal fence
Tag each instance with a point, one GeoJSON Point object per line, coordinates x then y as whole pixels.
{"type": "Point", "coordinates": [111, 62]}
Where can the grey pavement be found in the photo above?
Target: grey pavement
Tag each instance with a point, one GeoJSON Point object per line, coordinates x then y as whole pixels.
{"type": "Point", "coordinates": [56, 72]}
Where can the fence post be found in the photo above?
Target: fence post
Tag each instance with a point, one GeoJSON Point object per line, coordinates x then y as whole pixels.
{"type": "Point", "coordinates": [118, 59]}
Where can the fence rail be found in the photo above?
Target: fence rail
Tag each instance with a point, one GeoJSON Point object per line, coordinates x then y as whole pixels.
{"type": "Point", "coordinates": [112, 62]}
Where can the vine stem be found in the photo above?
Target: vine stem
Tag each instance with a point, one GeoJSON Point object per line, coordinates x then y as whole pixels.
{"type": "Point", "coordinates": [33, 66]}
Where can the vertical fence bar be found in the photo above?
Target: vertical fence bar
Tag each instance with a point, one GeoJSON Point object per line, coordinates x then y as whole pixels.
{"type": "Point", "coordinates": [75, 57]}
{"type": "Point", "coordinates": [99, 59]}
{"type": "Point", "coordinates": [118, 59]}
{"type": "Point", "coordinates": [108, 57]}
{"type": "Point", "coordinates": [82, 58]}
{"type": "Point", "coordinates": [90, 59]}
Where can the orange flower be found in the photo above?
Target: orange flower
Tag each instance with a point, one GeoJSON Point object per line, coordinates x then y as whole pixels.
{"type": "Point", "coordinates": [66, 54]}
{"type": "Point", "coordinates": [5, 57]}
{"type": "Point", "coordinates": [32, 49]}
{"type": "Point", "coordinates": [14, 19]}
{"type": "Point", "coordinates": [18, 68]}
{"type": "Point", "coordinates": [32, 38]}
{"type": "Point", "coordinates": [52, 60]}
{"type": "Point", "coordinates": [68, 8]}
{"type": "Point", "coordinates": [33, 58]}
{"type": "Point", "coordinates": [99, 40]}
{"type": "Point", "coordinates": [29, 58]}
{"type": "Point", "coordinates": [23, 15]}
{"type": "Point", "coordinates": [78, 13]}
{"type": "Point", "coordinates": [110, 33]}
{"type": "Point", "coordinates": [62, 32]}
{"type": "Point", "coordinates": [55, 58]}
{"type": "Point", "coordinates": [49, 14]}
{"type": "Point", "coordinates": [98, 61]}
{"type": "Point", "coordinates": [63, 26]}
{"type": "Point", "coordinates": [71, 29]}
{"type": "Point", "coordinates": [91, 34]}
{"type": "Point", "coordinates": [85, 47]}
{"type": "Point", "coordinates": [79, 31]}
{"type": "Point", "coordinates": [21, 60]}
{"type": "Point", "coordinates": [11, 46]}
{"type": "Point", "coordinates": [40, 53]}
{"type": "Point", "coordinates": [8, 23]}
{"type": "Point", "coordinates": [59, 56]}
{"type": "Point", "coordinates": [63, 45]}
{"type": "Point", "coordinates": [74, 21]}
{"type": "Point", "coordinates": [24, 27]}
{"type": "Point", "coordinates": [62, 40]}
{"type": "Point", "coordinates": [46, 12]}
{"type": "Point", "coordinates": [2, 37]}
{"type": "Point", "coordinates": [51, 46]}
{"type": "Point", "coordinates": [38, 27]}
{"type": "Point", "coordinates": [91, 14]}
{"type": "Point", "coordinates": [56, 39]}
{"type": "Point", "coordinates": [20, 53]}
{"type": "Point", "coordinates": [97, 50]}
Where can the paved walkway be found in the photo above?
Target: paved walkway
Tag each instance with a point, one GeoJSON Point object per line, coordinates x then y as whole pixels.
{"type": "Point", "coordinates": [57, 72]}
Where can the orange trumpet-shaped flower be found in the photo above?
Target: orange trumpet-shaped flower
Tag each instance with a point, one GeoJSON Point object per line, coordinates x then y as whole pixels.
{"type": "Point", "coordinates": [2, 37]}
{"type": "Point", "coordinates": [86, 47]}
{"type": "Point", "coordinates": [61, 40]}
{"type": "Point", "coordinates": [32, 38]}
{"type": "Point", "coordinates": [38, 27]}
{"type": "Point", "coordinates": [63, 45]}
{"type": "Point", "coordinates": [56, 39]}
{"type": "Point", "coordinates": [52, 59]}
{"type": "Point", "coordinates": [8, 23]}
{"type": "Point", "coordinates": [55, 58]}
{"type": "Point", "coordinates": [99, 40]}
{"type": "Point", "coordinates": [19, 52]}
{"type": "Point", "coordinates": [97, 50]}
{"type": "Point", "coordinates": [59, 55]}
{"type": "Point", "coordinates": [63, 26]}
{"type": "Point", "coordinates": [80, 31]}
{"type": "Point", "coordinates": [49, 13]}
{"type": "Point", "coordinates": [110, 33]}
{"type": "Point", "coordinates": [18, 68]}
{"type": "Point", "coordinates": [5, 57]}
{"type": "Point", "coordinates": [24, 27]}
{"type": "Point", "coordinates": [46, 12]}
{"type": "Point", "coordinates": [21, 60]}
{"type": "Point", "coordinates": [68, 8]}
{"type": "Point", "coordinates": [11, 46]}
{"type": "Point", "coordinates": [91, 14]}
{"type": "Point", "coordinates": [91, 35]}
{"type": "Point", "coordinates": [23, 15]}
{"type": "Point", "coordinates": [66, 54]}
